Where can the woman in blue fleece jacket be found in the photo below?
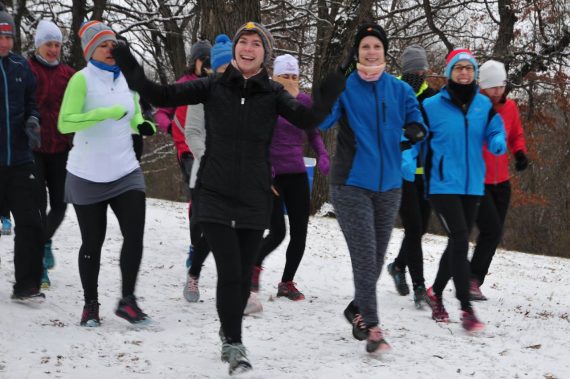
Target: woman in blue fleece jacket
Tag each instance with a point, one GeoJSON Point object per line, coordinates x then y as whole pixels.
{"type": "Point", "coordinates": [461, 120]}
{"type": "Point", "coordinates": [375, 111]}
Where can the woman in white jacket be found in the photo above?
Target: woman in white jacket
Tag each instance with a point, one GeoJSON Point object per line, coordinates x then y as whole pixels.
{"type": "Point", "coordinates": [102, 169]}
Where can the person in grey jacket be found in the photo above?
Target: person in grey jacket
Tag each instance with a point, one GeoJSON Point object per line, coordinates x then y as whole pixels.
{"type": "Point", "coordinates": [195, 133]}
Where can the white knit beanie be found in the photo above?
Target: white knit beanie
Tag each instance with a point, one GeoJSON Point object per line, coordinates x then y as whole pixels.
{"type": "Point", "coordinates": [47, 31]}
{"type": "Point", "coordinates": [285, 64]}
{"type": "Point", "coordinates": [492, 74]}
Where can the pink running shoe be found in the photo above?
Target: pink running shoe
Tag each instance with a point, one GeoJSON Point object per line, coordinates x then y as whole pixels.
{"type": "Point", "coordinates": [470, 322]}
{"type": "Point", "coordinates": [288, 290]}
{"type": "Point", "coordinates": [475, 293]}
{"type": "Point", "coordinates": [438, 312]}
{"type": "Point", "coordinates": [255, 278]}
{"type": "Point", "coordinates": [376, 342]}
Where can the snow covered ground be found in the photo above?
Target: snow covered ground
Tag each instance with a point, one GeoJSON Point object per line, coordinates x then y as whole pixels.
{"type": "Point", "coordinates": [527, 316]}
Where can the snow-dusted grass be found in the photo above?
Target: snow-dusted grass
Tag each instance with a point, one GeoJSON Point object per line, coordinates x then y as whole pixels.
{"type": "Point", "coordinates": [527, 316]}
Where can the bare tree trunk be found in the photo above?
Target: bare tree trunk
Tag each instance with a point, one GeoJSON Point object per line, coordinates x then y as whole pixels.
{"type": "Point", "coordinates": [225, 16]}
{"type": "Point", "coordinates": [98, 9]}
{"type": "Point", "coordinates": [174, 41]}
{"type": "Point", "coordinates": [20, 12]}
{"type": "Point", "coordinates": [79, 14]}
{"type": "Point", "coordinates": [431, 23]}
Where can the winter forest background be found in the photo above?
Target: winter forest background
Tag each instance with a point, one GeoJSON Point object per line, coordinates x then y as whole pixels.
{"type": "Point", "coordinates": [531, 37]}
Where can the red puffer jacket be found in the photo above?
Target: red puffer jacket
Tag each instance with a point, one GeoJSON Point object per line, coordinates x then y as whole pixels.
{"type": "Point", "coordinates": [51, 84]}
{"type": "Point", "coordinates": [497, 167]}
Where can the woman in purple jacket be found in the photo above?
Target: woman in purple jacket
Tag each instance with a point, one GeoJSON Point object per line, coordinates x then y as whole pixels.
{"type": "Point", "coordinates": [290, 185]}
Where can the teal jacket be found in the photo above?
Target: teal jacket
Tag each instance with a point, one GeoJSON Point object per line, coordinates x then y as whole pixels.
{"type": "Point", "coordinates": [455, 162]}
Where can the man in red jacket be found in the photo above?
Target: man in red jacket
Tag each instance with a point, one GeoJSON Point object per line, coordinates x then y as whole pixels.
{"type": "Point", "coordinates": [495, 203]}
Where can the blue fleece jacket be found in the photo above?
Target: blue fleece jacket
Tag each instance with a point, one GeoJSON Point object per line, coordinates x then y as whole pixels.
{"type": "Point", "coordinates": [373, 115]}
{"type": "Point", "coordinates": [455, 157]}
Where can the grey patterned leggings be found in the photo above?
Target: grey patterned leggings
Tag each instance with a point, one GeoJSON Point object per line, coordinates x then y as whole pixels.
{"type": "Point", "coordinates": [366, 219]}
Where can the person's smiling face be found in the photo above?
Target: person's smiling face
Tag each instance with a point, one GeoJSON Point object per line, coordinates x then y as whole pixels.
{"type": "Point", "coordinates": [249, 53]}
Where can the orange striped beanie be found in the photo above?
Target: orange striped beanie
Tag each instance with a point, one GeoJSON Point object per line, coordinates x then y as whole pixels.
{"type": "Point", "coordinates": [92, 34]}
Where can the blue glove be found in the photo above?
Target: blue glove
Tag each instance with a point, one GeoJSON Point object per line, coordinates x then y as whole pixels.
{"type": "Point", "coordinates": [497, 146]}
{"type": "Point", "coordinates": [32, 130]}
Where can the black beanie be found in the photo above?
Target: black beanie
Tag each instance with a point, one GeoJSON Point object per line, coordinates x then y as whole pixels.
{"type": "Point", "coordinates": [369, 29]}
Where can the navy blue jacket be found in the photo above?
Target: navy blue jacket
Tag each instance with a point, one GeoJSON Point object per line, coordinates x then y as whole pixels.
{"type": "Point", "coordinates": [17, 103]}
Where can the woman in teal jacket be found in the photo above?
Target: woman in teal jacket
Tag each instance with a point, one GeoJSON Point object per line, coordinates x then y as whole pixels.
{"type": "Point", "coordinates": [375, 111]}
{"type": "Point", "coordinates": [461, 120]}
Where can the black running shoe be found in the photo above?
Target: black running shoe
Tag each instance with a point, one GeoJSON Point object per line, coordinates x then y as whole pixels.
{"type": "Point", "coordinates": [90, 315]}
{"type": "Point", "coordinates": [130, 311]}
{"type": "Point", "coordinates": [420, 296]}
{"type": "Point", "coordinates": [29, 295]}
{"type": "Point", "coordinates": [353, 316]}
{"type": "Point", "coordinates": [399, 277]}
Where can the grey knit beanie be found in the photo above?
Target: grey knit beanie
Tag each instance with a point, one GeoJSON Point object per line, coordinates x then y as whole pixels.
{"type": "Point", "coordinates": [414, 59]}
{"type": "Point", "coordinates": [263, 33]}
{"type": "Point", "coordinates": [199, 50]}
{"type": "Point", "coordinates": [92, 34]}
{"type": "Point", "coordinates": [7, 26]}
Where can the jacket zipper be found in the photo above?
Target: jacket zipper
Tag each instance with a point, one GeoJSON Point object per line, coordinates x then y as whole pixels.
{"type": "Point", "coordinates": [464, 110]}
{"type": "Point", "coordinates": [242, 103]}
{"type": "Point", "coordinates": [378, 134]}
{"type": "Point", "coordinates": [466, 149]}
{"type": "Point", "coordinates": [6, 103]}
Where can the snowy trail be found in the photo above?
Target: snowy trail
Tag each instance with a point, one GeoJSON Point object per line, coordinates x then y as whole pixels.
{"type": "Point", "coordinates": [527, 316]}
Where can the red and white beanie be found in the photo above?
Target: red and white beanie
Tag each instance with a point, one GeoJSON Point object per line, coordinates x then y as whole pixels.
{"type": "Point", "coordinates": [459, 55]}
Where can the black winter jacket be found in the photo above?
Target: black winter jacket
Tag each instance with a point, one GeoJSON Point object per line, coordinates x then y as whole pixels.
{"type": "Point", "coordinates": [233, 185]}
{"type": "Point", "coordinates": [17, 103]}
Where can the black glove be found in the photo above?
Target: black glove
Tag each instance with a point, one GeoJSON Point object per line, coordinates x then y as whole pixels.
{"type": "Point", "coordinates": [348, 66]}
{"type": "Point", "coordinates": [405, 145]}
{"type": "Point", "coordinates": [121, 39]}
{"type": "Point", "coordinates": [522, 161]}
{"type": "Point", "coordinates": [32, 130]}
{"type": "Point", "coordinates": [133, 72]}
{"type": "Point", "coordinates": [414, 132]}
{"type": "Point", "coordinates": [186, 161]}
{"type": "Point", "coordinates": [329, 90]}
{"type": "Point", "coordinates": [146, 128]}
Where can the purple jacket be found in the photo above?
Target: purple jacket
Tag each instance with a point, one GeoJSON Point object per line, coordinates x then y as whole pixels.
{"type": "Point", "coordinates": [287, 144]}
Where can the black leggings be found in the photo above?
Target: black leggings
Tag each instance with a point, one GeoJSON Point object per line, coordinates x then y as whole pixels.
{"type": "Point", "coordinates": [129, 207]}
{"type": "Point", "coordinates": [199, 244]}
{"type": "Point", "coordinates": [490, 221]}
{"type": "Point", "coordinates": [457, 215]}
{"type": "Point", "coordinates": [51, 175]}
{"type": "Point", "coordinates": [294, 192]}
{"type": "Point", "coordinates": [414, 212]}
{"type": "Point", "coordinates": [19, 192]}
{"type": "Point", "coordinates": [234, 251]}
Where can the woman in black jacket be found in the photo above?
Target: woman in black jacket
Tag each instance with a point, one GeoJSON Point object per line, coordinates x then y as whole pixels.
{"type": "Point", "coordinates": [233, 199]}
